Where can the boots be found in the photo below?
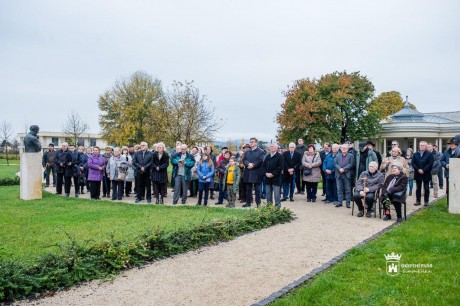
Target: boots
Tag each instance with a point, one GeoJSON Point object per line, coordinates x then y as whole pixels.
{"type": "Point", "coordinates": [410, 193]}
{"type": "Point", "coordinates": [157, 201]}
{"type": "Point", "coordinates": [161, 200]}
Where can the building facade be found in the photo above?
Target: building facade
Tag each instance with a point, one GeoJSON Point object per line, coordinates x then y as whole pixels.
{"type": "Point", "coordinates": [409, 127]}
{"type": "Point", "coordinates": [56, 138]}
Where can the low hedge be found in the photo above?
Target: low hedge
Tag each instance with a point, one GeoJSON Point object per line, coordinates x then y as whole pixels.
{"type": "Point", "coordinates": [10, 157]}
{"type": "Point", "coordinates": [77, 262]}
{"type": "Point", "coordinates": [9, 181]}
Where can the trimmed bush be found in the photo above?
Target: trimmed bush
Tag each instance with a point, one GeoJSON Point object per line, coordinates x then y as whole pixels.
{"type": "Point", "coordinates": [79, 262]}
{"type": "Point", "coordinates": [9, 181]}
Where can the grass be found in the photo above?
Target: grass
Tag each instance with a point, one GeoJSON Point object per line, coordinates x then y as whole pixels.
{"type": "Point", "coordinates": [430, 237]}
{"type": "Point", "coordinates": [8, 171]}
{"type": "Point", "coordinates": [29, 229]}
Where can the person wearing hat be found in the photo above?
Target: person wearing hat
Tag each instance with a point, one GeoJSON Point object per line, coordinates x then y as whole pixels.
{"type": "Point", "coordinates": [364, 156]}
{"type": "Point", "coordinates": [48, 164]}
{"type": "Point", "coordinates": [394, 191]}
{"type": "Point", "coordinates": [371, 145]}
{"type": "Point", "coordinates": [447, 155]}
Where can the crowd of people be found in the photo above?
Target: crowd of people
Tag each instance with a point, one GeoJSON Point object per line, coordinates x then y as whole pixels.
{"type": "Point", "coordinates": [251, 174]}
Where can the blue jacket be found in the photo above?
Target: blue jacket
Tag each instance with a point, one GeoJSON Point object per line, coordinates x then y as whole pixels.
{"type": "Point", "coordinates": [328, 164]}
{"type": "Point", "coordinates": [203, 169]}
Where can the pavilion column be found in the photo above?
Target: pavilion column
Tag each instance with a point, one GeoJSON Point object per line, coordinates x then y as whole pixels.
{"type": "Point", "coordinates": [415, 144]}
{"type": "Point", "coordinates": [440, 148]}
{"type": "Point", "coordinates": [384, 149]}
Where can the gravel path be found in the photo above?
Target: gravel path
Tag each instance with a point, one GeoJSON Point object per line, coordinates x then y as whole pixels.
{"type": "Point", "coordinates": [239, 272]}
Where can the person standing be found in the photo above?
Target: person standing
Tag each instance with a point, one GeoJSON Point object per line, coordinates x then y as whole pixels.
{"type": "Point", "coordinates": [160, 163]}
{"type": "Point", "coordinates": [440, 172]}
{"type": "Point", "coordinates": [292, 161]}
{"type": "Point", "coordinates": [231, 181]}
{"type": "Point", "coordinates": [252, 161]}
{"type": "Point", "coordinates": [61, 160]}
{"type": "Point", "coordinates": [437, 156]}
{"type": "Point", "coordinates": [142, 164]}
{"type": "Point", "coordinates": [395, 158]}
{"type": "Point", "coordinates": [410, 177]}
{"type": "Point", "coordinates": [183, 163]}
{"type": "Point", "coordinates": [117, 168]}
{"type": "Point", "coordinates": [301, 148]}
{"type": "Point", "coordinates": [395, 144]}
{"type": "Point", "coordinates": [221, 168]}
{"type": "Point", "coordinates": [326, 150]}
{"type": "Point", "coordinates": [75, 169]}
{"type": "Point", "coordinates": [447, 155]}
{"type": "Point", "coordinates": [105, 179]}
{"type": "Point", "coordinates": [48, 164]}
{"type": "Point", "coordinates": [193, 183]}
{"type": "Point", "coordinates": [364, 157]}
{"type": "Point", "coordinates": [273, 166]}
{"type": "Point", "coordinates": [205, 170]}
{"type": "Point", "coordinates": [329, 169]}
{"type": "Point", "coordinates": [96, 169]}
{"type": "Point", "coordinates": [82, 178]}
{"type": "Point", "coordinates": [213, 158]}
{"type": "Point", "coordinates": [423, 163]}
{"type": "Point", "coordinates": [242, 187]}
{"type": "Point", "coordinates": [344, 165]}
{"type": "Point", "coordinates": [311, 175]}
{"type": "Point", "coordinates": [130, 178]}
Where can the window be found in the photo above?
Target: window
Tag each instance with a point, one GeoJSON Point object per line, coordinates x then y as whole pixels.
{"type": "Point", "coordinates": [81, 142]}
{"type": "Point", "coordinates": [92, 142]}
{"type": "Point", "coordinates": [55, 141]}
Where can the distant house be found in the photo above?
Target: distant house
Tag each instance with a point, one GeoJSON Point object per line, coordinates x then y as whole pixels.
{"type": "Point", "coordinates": [87, 140]}
{"type": "Point", "coordinates": [409, 127]}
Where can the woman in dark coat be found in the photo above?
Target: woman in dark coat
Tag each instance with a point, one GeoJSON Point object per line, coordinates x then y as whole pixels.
{"type": "Point", "coordinates": [160, 163]}
{"type": "Point", "coordinates": [394, 191]}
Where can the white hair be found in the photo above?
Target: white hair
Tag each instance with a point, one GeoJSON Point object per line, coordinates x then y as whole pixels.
{"type": "Point", "coordinates": [291, 144]}
{"type": "Point", "coordinates": [275, 144]}
{"type": "Point", "coordinates": [144, 143]}
{"type": "Point", "coordinates": [373, 163]}
{"type": "Point", "coordinates": [335, 145]}
{"type": "Point", "coordinates": [65, 144]}
{"type": "Point", "coordinates": [116, 149]}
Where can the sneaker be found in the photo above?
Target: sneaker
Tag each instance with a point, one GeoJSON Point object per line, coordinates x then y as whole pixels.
{"type": "Point", "coordinates": [360, 214]}
{"type": "Point", "coordinates": [137, 201]}
{"type": "Point", "coordinates": [387, 217]}
{"type": "Point", "coordinates": [368, 214]}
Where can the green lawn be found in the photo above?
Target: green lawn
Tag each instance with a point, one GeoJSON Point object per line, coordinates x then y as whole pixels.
{"type": "Point", "coordinates": [31, 228]}
{"type": "Point", "coordinates": [430, 237]}
{"type": "Point", "coordinates": [8, 171]}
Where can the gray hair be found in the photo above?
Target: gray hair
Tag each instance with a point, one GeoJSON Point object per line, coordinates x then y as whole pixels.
{"type": "Point", "coordinates": [374, 163]}
{"type": "Point", "coordinates": [274, 144]}
{"type": "Point", "coordinates": [397, 165]}
{"type": "Point", "coordinates": [117, 149]}
{"type": "Point", "coordinates": [291, 144]}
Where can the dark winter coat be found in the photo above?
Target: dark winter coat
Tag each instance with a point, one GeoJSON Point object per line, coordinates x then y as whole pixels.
{"type": "Point", "coordinates": [274, 165]}
{"type": "Point", "coordinates": [63, 157]}
{"type": "Point", "coordinates": [400, 185]}
{"type": "Point", "coordinates": [142, 159]}
{"type": "Point", "coordinates": [255, 157]}
{"type": "Point", "coordinates": [448, 154]}
{"type": "Point", "coordinates": [291, 163]}
{"type": "Point", "coordinates": [425, 163]}
{"type": "Point", "coordinates": [349, 165]}
{"type": "Point", "coordinates": [161, 175]}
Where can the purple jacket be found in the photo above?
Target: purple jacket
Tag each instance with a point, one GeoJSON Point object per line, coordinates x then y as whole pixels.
{"type": "Point", "coordinates": [94, 162]}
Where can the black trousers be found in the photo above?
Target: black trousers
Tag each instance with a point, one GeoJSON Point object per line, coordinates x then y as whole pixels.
{"type": "Point", "coordinates": [312, 189]}
{"type": "Point", "coordinates": [128, 188]}
{"type": "Point", "coordinates": [323, 180]}
{"type": "Point", "coordinates": [76, 184]}
{"type": "Point", "coordinates": [105, 186]}
{"type": "Point", "coordinates": [67, 184]}
{"type": "Point", "coordinates": [95, 189]}
{"type": "Point", "coordinates": [117, 189]}
{"type": "Point", "coordinates": [159, 189]}
{"type": "Point", "coordinates": [242, 191]}
{"type": "Point", "coordinates": [298, 181]}
{"type": "Point", "coordinates": [249, 187]}
{"type": "Point", "coordinates": [418, 192]}
{"type": "Point", "coordinates": [60, 179]}
{"type": "Point", "coordinates": [145, 187]}
{"type": "Point", "coordinates": [370, 196]}
{"type": "Point", "coordinates": [193, 187]}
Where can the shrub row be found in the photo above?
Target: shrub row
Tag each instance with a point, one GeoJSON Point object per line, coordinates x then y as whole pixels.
{"type": "Point", "coordinates": [77, 262]}
{"type": "Point", "coordinates": [9, 181]}
{"type": "Point", "coordinates": [10, 157]}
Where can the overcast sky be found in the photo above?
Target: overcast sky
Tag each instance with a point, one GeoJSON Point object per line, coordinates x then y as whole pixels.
{"type": "Point", "coordinates": [56, 56]}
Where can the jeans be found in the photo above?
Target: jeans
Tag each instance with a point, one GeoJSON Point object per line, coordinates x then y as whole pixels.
{"type": "Point", "coordinates": [331, 190]}
{"type": "Point", "coordinates": [263, 191]}
{"type": "Point", "coordinates": [289, 187]}
{"type": "Point", "coordinates": [418, 192]}
{"type": "Point", "coordinates": [273, 189]}
{"type": "Point", "coordinates": [106, 185]}
{"type": "Point", "coordinates": [180, 185]}
{"type": "Point", "coordinates": [203, 187]}
{"type": "Point", "coordinates": [344, 184]}
{"type": "Point", "coordinates": [411, 185]}
{"type": "Point", "coordinates": [47, 175]}
{"type": "Point", "coordinates": [222, 193]}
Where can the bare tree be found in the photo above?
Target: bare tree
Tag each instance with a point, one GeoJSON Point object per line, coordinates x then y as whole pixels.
{"type": "Point", "coordinates": [75, 126]}
{"type": "Point", "coordinates": [192, 119]}
{"type": "Point", "coordinates": [6, 131]}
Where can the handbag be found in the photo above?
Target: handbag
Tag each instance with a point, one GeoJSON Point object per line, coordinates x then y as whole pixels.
{"type": "Point", "coordinates": [399, 194]}
{"type": "Point", "coordinates": [121, 176]}
{"type": "Point", "coordinates": [307, 172]}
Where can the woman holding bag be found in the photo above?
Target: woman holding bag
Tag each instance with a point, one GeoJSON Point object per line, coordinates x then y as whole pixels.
{"type": "Point", "coordinates": [117, 167]}
{"type": "Point", "coordinates": [311, 163]}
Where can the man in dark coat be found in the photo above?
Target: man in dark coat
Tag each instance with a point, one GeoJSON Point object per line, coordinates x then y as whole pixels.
{"type": "Point", "coordinates": [75, 168]}
{"type": "Point", "coordinates": [422, 162]}
{"type": "Point", "coordinates": [344, 164]}
{"type": "Point", "coordinates": [61, 160]}
{"type": "Point", "coordinates": [253, 160]}
{"type": "Point", "coordinates": [301, 148]}
{"type": "Point", "coordinates": [273, 166]}
{"type": "Point", "coordinates": [48, 164]}
{"type": "Point", "coordinates": [326, 150]}
{"type": "Point", "coordinates": [292, 162]}
{"type": "Point", "coordinates": [447, 155]}
{"type": "Point", "coordinates": [142, 163]}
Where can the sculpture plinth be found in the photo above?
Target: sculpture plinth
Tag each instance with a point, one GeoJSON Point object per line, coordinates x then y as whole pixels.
{"type": "Point", "coordinates": [31, 176]}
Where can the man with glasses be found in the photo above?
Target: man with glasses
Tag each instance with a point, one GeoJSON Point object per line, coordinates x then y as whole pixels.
{"type": "Point", "coordinates": [253, 160]}
{"type": "Point", "coordinates": [395, 144]}
{"type": "Point", "coordinates": [142, 163]}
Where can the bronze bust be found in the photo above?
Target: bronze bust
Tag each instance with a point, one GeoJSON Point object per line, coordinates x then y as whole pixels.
{"type": "Point", "coordinates": [31, 143]}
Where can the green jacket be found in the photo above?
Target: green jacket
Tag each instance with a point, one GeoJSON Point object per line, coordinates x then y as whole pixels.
{"type": "Point", "coordinates": [236, 177]}
{"type": "Point", "coordinates": [189, 163]}
{"type": "Point", "coordinates": [371, 156]}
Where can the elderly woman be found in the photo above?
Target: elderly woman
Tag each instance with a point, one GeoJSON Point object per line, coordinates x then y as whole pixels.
{"type": "Point", "coordinates": [394, 191]}
{"type": "Point", "coordinates": [395, 158]}
{"type": "Point", "coordinates": [374, 181]}
{"type": "Point", "coordinates": [96, 167]}
{"type": "Point", "coordinates": [130, 173]}
{"type": "Point", "coordinates": [117, 168]}
{"type": "Point", "coordinates": [160, 163]}
{"type": "Point", "coordinates": [311, 163]}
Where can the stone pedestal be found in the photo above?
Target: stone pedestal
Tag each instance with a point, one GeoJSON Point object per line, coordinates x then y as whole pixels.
{"type": "Point", "coordinates": [31, 176]}
{"type": "Point", "coordinates": [454, 185]}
